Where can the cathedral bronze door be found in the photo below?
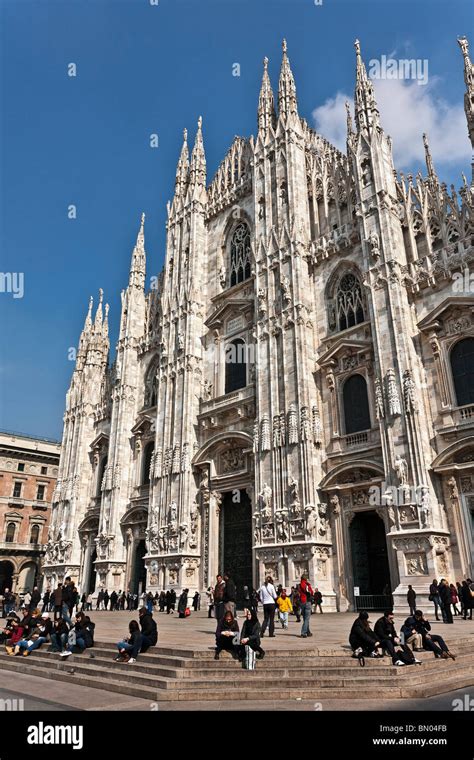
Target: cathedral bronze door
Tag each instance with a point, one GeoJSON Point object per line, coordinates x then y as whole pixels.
{"type": "Point", "coordinates": [236, 540]}
{"type": "Point", "coordinates": [370, 561]}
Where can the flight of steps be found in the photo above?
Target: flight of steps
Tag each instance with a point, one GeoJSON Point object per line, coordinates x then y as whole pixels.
{"type": "Point", "coordinates": [165, 674]}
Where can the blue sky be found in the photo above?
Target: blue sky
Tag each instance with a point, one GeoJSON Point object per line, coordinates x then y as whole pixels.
{"type": "Point", "coordinates": [144, 69]}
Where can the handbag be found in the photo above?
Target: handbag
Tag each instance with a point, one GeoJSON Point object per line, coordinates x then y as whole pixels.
{"type": "Point", "coordinates": [187, 612]}
{"type": "Point", "coordinates": [250, 658]}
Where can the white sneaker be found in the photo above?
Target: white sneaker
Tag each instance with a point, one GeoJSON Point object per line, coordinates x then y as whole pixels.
{"type": "Point", "coordinates": [418, 662]}
{"type": "Point", "coordinates": [399, 662]}
{"type": "Point", "coordinates": [131, 660]}
{"type": "Point", "coordinates": [65, 654]}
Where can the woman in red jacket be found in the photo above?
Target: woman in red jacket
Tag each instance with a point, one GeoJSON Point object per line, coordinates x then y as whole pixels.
{"type": "Point", "coordinates": [17, 634]}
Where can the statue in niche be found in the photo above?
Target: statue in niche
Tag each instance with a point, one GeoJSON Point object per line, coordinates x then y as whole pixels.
{"type": "Point", "coordinates": [265, 501]}
{"type": "Point", "coordinates": [425, 507]}
{"type": "Point", "coordinates": [281, 521]}
{"type": "Point", "coordinates": [295, 503]}
{"type": "Point", "coordinates": [323, 520]}
{"type": "Point", "coordinates": [311, 521]}
{"type": "Point", "coordinates": [401, 468]}
{"type": "Point", "coordinates": [173, 515]}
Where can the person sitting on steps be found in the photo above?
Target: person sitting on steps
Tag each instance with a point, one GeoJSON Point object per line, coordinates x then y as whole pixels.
{"type": "Point", "coordinates": [362, 638]}
{"type": "Point", "coordinates": [430, 641]}
{"type": "Point", "coordinates": [131, 645]}
{"type": "Point", "coordinates": [250, 635]}
{"type": "Point", "coordinates": [227, 635]}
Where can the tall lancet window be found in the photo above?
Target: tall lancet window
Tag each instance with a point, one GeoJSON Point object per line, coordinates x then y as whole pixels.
{"type": "Point", "coordinates": [349, 303]}
{"type": "Point", "coordinates": [240, 254]}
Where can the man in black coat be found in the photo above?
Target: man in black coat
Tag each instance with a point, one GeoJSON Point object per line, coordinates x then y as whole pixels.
{"type": "Point", "coordinates": [149, 629]}
{"type": "Point", "coordinates": [385, 632]}
{"type": "Point", "coordinates": [113, 600]}
{"type": "Point", "coordinates": [35, 599]}
{"type": "Point", "coordinates": [445, 596]}
{"type": "Point", "coordinates": [362, 637]}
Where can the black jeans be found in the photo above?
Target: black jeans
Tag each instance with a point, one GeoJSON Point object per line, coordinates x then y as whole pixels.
{"type": "Point", "coordinates": [389, 646]}
{"type": "Point", "coordinates": [268, 619]}
{"type": "Point", "coordinates": [435, 644]}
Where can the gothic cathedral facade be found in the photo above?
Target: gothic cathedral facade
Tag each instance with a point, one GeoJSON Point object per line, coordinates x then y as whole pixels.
{"type": "Point", "coordinates": [296, 394]}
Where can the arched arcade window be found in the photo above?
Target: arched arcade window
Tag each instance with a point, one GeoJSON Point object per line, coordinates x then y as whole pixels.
{"type": "Point", "coordinates": [240, 254]}
{"type": "Point", "coordinates": [147, 457]}
{"type": "Point", "coordinates": [349, 302]}
{"type": "Point", "coordinates": [356, 404]}
{"type": "Point", "coordinates": [462, 367]}
{"type": "Point", "coordinates": [235, 365]}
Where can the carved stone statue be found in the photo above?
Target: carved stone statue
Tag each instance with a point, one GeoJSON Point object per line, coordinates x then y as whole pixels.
{"type": "Point", "coordinates": [173, 515]}
{"type": "Point", "coordinates": [323, 520]}
{"type": "Point", "coordinates": [305, 425]}
{"type": "Point", "coordinates": [265, 501]}
{"type": "Point", "coordinates": [281, 522]}
{"type": "Point", "coordinates": [311, 521]}
{"type": "Point", "coordinates": [265, 434]}
{"type": "Point", "coordinates": [207, 390]}
{"type": "Point", "coordinates": [374, 246]}
{"type": "Point", "coordinates": [285, 288]}
{"type": "Point", "coordinates": [183, 536]}
{"type": "Point", "coordinates": [292, 425]}
{"type": "Point", "coordinates": [401, 468]}
{"type": "Point", "coordinates": [379, 405]}
{"type": "Point", "coordinates": [162, 542]}
{"type": "Point", "coordinates": [424, 507]}
{"type": "Point", "coordinates": [409, 392]}
{"type": "Point", "coordinates": [180, 341]}
{"type": "Point", "coordinates": [222, 276]}
{"type": "Point", "coordinates": [295, 503]}
{"type": "Point", "coordinates": [261, 298]}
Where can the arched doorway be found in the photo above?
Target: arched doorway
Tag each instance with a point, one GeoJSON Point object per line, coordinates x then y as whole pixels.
{"type": "Point", "coordinates": [235, 531]}
{"type": "Point", "coordinates": [6, 575]}
{"type": "Point", "coordinates": [138, 584]}
{"type": "Point", "coordinates": [370, 566]}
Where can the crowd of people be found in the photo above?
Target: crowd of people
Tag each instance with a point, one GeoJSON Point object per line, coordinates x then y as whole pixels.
{"type": "Point", "coordinates": [415, 636]}
{"type": "Point", "coordinates": [64, 625]}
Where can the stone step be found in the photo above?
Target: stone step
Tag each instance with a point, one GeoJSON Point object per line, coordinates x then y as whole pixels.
{"type": "Point", "coordinates": [228, 667]}
{"type": "Point", "coordinates": [122, 683]}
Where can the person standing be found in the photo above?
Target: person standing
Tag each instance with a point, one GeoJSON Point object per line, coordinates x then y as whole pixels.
{"type": "Point", "coordinates": [296, 602]}
{"type": "Point", "coordinates": [445, 596]}
{"type": "Point", "coordinates": [454, 598]}
{"type": "Point", "coordinates": [434, 597]}
{"type": "Point", "coordinates": [467, 600]}
{"type": "Point", "coordinates": [210, 601]}
{"type": "Point", "coordinates": [306, 594]}
{"type": "Point", "coordinates": [318, 600]}
{"type": "Point", "coordinates": [8, 602]}
{"type": "Point", "coordinates": [411, 599]}
{"type": "Point", "coordinates": [230, 594]}
{"type": "Point", "coordinates": [105, 599]}
{"type": "Point", "coordinates": [267, 594]}
{"type": "Point", "coordinates": [183, 603]}
{"type": "Point", "coordinates": [57, 598]}
{"type": "Point", "coordinates": [113, 601]}
{"type": "Point", "coordinates": [219, 591]}
{"type": "Point", "coordinates": [284, 608]}
{"type": "Point", "coordinates": [35, 599]}
{"type": "Point", "coordinates": [196, 601]}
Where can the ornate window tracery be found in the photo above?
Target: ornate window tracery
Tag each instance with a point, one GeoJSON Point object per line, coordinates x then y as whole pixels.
{"type": "Point", "coordinates": [240, 254]}
{"type": "Point", "coordinates": [349, 301]}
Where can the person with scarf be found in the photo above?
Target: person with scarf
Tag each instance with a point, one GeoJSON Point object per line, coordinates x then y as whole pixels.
{"type": "Point", "coordinates": [250, 635]}
{"type": "Point", "coordinates": [226, 631]}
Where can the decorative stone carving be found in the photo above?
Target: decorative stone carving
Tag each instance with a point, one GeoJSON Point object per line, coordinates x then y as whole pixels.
{"type": "Point", "coordinates": [379, 401]}
{"type": "Point", "coordinates": [425, 507]}
{"type": "Point", "coordinates": [317, 428]}
{"type": "Point", "coordinates": [305, 424]}
{"type": "Point", "coordinates": [173, 515]}
{"type": "Point", "coordinates": [394, 407]}
{"type": "Point", "coordinates": [206, 390]}
{"type": "Point", "coordinates": [281, 523]}
{"type": "Point", "coordinates": [265, 501]}
{"type": "Point", "coordinates": [285, 289]}
{"type": "Point", "coordinates": [416, 564]}
{"type": "Point", "coordinates": [232, 460]}
{"type": "Point", "coordinates": [265, 434]}
{"type": "Point", "coordinates": [176, 462]}
{"type": "Point", "coordinates": [183, 536]}
{"type": "Point", "coordinates": [276, 431]}
{"type": "Point", "coordinates": [261, 298]}
{"type": "Point", "coordinates": [323, 521]}
{"type": "Point", "coordinates": [292, 425]}
{"type": "Point", "coordinates": [409, 393]}
{"type": "Point", "coordinates": [335, 504]}
{"type": "Point", "coordinates": [294, 498]}
{"type": "Point", "coordinates": [401, 468]}
{"type": "Point", "coordinates": [185, 458]}
{"type": "Point", "coordinates": [374, 247]}
{"type": "Point", "coordinates": [256, 438]}
{"type": "Point", "coordinates": [408, 514]}
{"type": "Point", "coordinates": [311, 522]}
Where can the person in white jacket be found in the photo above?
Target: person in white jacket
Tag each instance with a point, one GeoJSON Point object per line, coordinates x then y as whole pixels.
{"type": "Point", "coordinates": [267, 595]}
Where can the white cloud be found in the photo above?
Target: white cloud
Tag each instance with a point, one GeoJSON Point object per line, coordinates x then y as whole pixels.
{"type": "Point", "coordinates": [407, 109]}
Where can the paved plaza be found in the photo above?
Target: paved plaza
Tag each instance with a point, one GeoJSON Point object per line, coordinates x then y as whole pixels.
{"type": "Point", "coordinates": [197, 632]}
